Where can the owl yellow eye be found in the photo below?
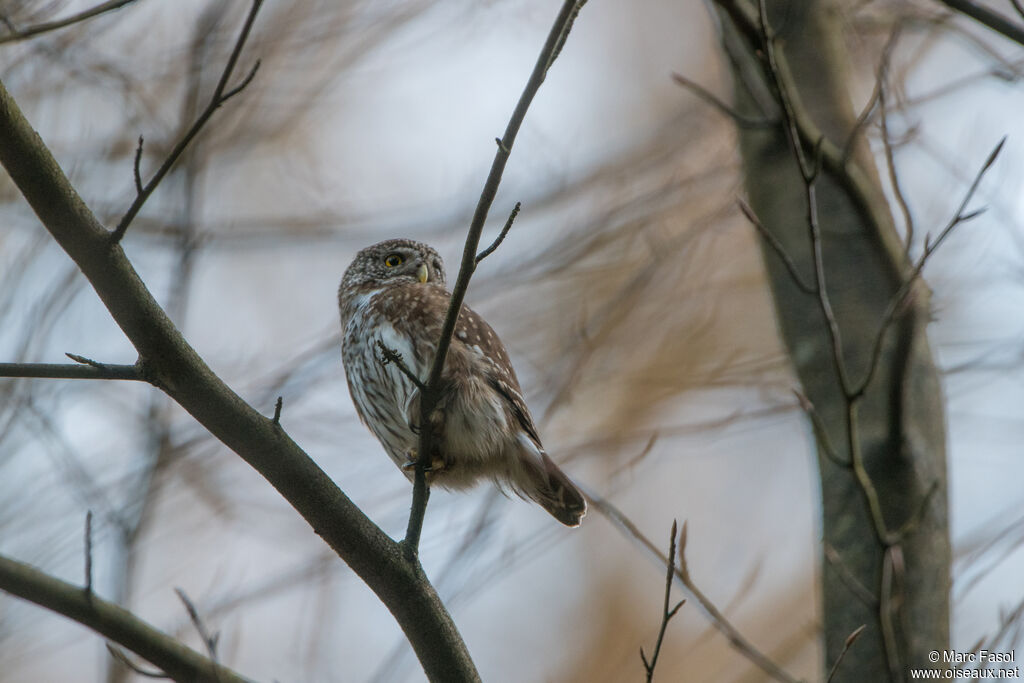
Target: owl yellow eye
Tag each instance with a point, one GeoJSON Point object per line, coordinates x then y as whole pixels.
{"type": "Point", "coordinates": [393, 260]}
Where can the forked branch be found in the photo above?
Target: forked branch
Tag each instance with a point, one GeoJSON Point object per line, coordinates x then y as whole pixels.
{"type": "Point", "coordinates": [666, 612]}
{"type": "Point", "coordinates": [220, 95]}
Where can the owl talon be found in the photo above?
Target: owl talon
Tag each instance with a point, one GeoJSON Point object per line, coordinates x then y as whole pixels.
{"type": "Point", "coordinates": [433, 467]}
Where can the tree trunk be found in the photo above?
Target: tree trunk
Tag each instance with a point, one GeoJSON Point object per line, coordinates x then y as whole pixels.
{"type": "Point", "coordinates": [897, 584]}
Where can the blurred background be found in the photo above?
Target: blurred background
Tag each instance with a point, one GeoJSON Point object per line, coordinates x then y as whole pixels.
{"type": "Point", "coordinates": [630, 294]}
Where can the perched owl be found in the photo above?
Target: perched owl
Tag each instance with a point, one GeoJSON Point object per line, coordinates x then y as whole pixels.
{"type": "Point", "coordinates": [393, 292]}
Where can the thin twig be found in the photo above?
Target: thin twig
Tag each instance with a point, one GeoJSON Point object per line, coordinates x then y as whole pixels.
{"type": "Point", "coordinates": [850, 640]}
{"type": "Point", "coordinates": [820, 432]}
{"type": "Point", "coordinates": [209, 639]}
{"type": "Point", "coordinates": [428, 398]}
{"type": "Point", "coordinates": [88, 552]}
{"type": "Point", "coordinates": [278, 405]}
{"type": "Point", "coordinates": [890, 166]}
{"type": "Point", "coordinates": [73, 371]}
{"type": "Point", "coordinates": [22, 34]}
{"type": "Point", "coordinates": [891, 595]}
{"type": "Point", "coordinates": [846, 576]}
{"type": "Point", "coordinates": [810, 170]}
{"type": "Point", "coordinates": [741, 120]}
{"type": "Point", "coordinates": [990, 18]}
{"type": "Point", "coordinates": [136, 168]}
{"type": "Point", "coordinates": [899, 299]}
{"type": "Point", "coordinates": [915, 517]}
{"type": "Point", "coordinates": [501, 235]}
{"type": "Point", "coordinates": [666, 613]}
{"type": "Point", "coordinates": [626, 526]}
{"type": "Point", "coordinates": [120, 656]}
{"type": "Point", "coordinates": [777, 247]}
{"type": "Point", "coordinates": [881, 75]}
{"type": "Point", "coordinates": [389, 355]}
{"type": "Point", "coordinates": [218, 98]}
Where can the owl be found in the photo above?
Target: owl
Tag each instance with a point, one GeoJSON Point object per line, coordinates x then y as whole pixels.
{"type": "Point", "coordinates": [393, 294]}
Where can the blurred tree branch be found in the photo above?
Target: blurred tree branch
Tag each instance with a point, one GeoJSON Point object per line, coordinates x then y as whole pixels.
{"type": "Point", "coordinates": [220, 95]}
{"type": "Point", "coordinates": [31, 31]}
{"type": "Point", "coordinates": [989, 18]}
{"type": "Point", "coordinates": [681, 572]}
{"type": "Point", "coordinates": [174, 659]}
{"type": "Point", "coordinates": [184, 376]}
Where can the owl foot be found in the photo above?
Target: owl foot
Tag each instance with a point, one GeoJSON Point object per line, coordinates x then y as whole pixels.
{"type": "Point", "coordinates": [436, 465]}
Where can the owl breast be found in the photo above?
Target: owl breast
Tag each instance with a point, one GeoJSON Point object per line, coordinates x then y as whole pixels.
{"type": "Point", "coordinates": [381, 394]}
{"type": "Point", "coordinates": [472, 420]}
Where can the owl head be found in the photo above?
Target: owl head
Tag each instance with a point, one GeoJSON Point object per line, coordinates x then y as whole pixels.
{"type": "Point", "coordinates": [391, 262]}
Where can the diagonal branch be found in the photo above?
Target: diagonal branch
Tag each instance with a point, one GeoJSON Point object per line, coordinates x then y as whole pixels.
{"type": "Point", "coordinates": [899, 299]}
{"type": "Point", "coordinates": [987, 17]}
{"type": "Point", "coordinates": [666, 612]}
{"type": "Point", "coordinates": [741, 120]}
{"type": "Point", "coordinates": [119, 625]}
{"type": "Point", "coordinates": [625, 525]}
{"type": "Point", "coordinates": [219, 97]}
{"type": "Point", "coordinates": [176, 368]}
{"type": "Point", "coordinates": [46, 27]}
{"type": "Point", "coordinates": [555, 40]}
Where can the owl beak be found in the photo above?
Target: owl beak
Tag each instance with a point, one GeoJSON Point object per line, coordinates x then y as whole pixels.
{"type": "Point", "coordinates": [422, 273]}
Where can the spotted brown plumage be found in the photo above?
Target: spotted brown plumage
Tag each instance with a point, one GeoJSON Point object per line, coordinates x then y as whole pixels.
{"type": "Point", "coordinates": [393, 293]}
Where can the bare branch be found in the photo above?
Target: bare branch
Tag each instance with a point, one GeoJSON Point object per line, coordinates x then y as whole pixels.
{"type": "Point", "coordinates": [881, 75]}
{"type": "Point", "coordinates": [890, 166]}
{"type": "Point", "coordinates": [119, 625]}
{"type": "Point", "coordinates": [428, 398]}
{"type": "Point", "coordinates": [22, 34]}
{"type": "Point", "coordinates": [136, 168]}
{"type": "Point", "coordinates": [820, 432]}
{"type": "Point", "coordinates": [389, 355]}
{"type": "Point", "coordinates": [891, 594]}
{"type": "Point", "coordinates": [1019, 7]}
{"type": "Point", "coordinates": [88, 552]}
{"type": "Point", "coordinates": [120, 656]}
{"type": "Point", "coordinates": [990, 18]}
{"type": "Point", "coordinates": [218, 98]}
{"type": "Point", "coordinates": [278, 405]}
{"type": "Point", "coordinates": [501, 235]}
{"type": "Point", "coordinates": [626, 526]}
{"type": "Point", "coordinates": [741, 120]}
{"type": "Point", "coordinates": [777, 247]}
{"type": "Point", "coordinates": [850, 177]}
{"type": "Point", "coordinates": [666, 613]}
{"type": "Point", "coordinates": [899, 299]}
{"type": "Point", "coordinates": [209, 639]}
{"type": "Point", "coordinates": [73, 371]}
{"type": "Point", "coordinates": [846, 576]}
{"type": "Point", "coordinates": [850, 640]}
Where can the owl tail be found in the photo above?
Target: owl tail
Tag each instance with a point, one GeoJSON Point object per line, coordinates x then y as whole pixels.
{"type": "Point", "coordinates": [554, 492]}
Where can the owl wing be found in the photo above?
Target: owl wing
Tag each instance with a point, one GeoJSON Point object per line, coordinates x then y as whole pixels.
{"type": "Point", "coordinates": [474, 334]}
{"type": "Point", "coordinates": [517, 406]}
